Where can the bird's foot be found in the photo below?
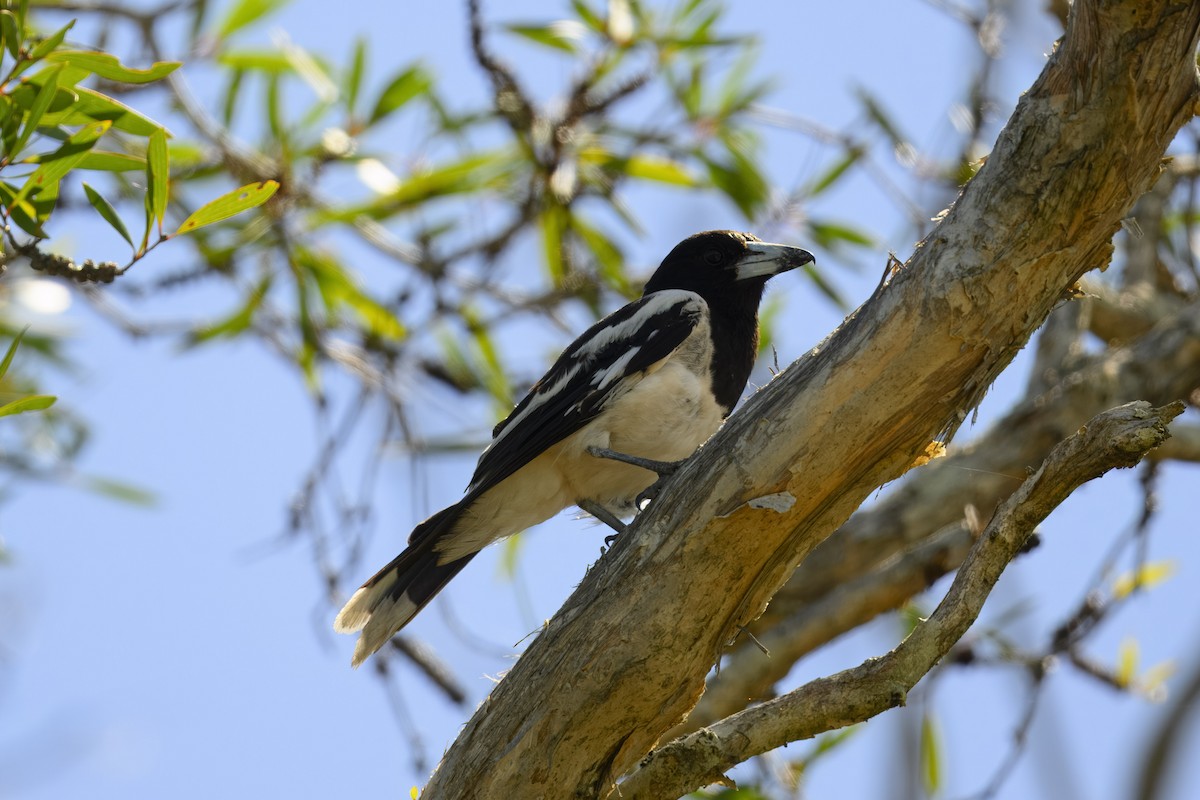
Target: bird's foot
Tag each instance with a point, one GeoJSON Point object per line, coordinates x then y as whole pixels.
{"type": "Point", "coordinates": [604, 515]}
{"type": "Point", "coordinates": [660, 468]}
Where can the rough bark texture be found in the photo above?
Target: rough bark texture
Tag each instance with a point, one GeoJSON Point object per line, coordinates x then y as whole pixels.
{"type": "Point", "coordinates": [626, 656]}
{"type": "Point", "coordinates": [1117, 438]}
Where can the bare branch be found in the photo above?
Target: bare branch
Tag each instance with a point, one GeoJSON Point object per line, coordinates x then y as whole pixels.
{"type": "Point", "coordinates": [1117, 438]}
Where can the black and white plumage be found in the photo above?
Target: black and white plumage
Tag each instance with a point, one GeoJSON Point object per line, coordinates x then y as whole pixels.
{"type": "Point", "coordinates": [654, 379]}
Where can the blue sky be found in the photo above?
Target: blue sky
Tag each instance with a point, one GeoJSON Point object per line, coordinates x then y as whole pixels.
{"type": "Point", "coordinates": [183, 651]}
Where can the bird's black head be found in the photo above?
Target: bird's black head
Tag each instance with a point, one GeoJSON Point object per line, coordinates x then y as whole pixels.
{"type": "Point", "coordinates": [726, 268]}
{"type": "Point", "coordinates": [729, 270]}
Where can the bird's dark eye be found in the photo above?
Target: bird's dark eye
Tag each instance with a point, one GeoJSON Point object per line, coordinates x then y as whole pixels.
{"type": "Point", "coordinates": [714, 258]}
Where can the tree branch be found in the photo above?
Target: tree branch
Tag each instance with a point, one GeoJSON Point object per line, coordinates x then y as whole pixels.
{"type": "Point", "coordinates": [625, 658]}
{"type": "Point", "coordinates": [1116, 438]}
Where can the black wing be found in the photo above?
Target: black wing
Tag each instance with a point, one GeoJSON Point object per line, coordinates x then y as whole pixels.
{"type": "Point", "coordinates": [585, 376]}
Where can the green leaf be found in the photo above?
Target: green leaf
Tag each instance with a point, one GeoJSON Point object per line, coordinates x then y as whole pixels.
{"type": "Point", "coordinates": [245, 12]}
{"type": "Point", "coordinates": [158, 181]}
{"type": "Point", "coordinates": [41, 104]}
{"type": "Point", "coordinates": [10, 31]}
{"type": "Point", "coordinates": [232, 91]}
{"type": "Point", "coordinates": [12, 351]}
{"type": "Point", "coordinates": [91, 105]}
{"type": "Point", "coordinates": [552, 36]}
{"type": "Point", "coordinates": [57, 164]}
{"type": "Point", "coordinates": [236, 322]}
{"type": "Point", "coordinates": [108, 161]}
{"type": "Point", "coordinates": [270, 61]}
{"type": "Point", "coordinates": [660, 170]}
{"type": "Point", "coordinates": [829, 234]}
{"type": "Point", "coordinates": [355, 75]}
{"type": "Point", "coordinates": [931, 757]}
{"type": "Point", "coordinates": [410, 83]}
{"type": "Point", "coordinates": [835, 172]}
{"type": "Point", "coordinates": [34, 402]}
{"type": "Point", "coordinates": [241, 199]}
{"type": "Point", "coordinates": [47, 45]}
{"type": "Point", "coordinates": [22, 212]}
{"type": "Point", "coordinates": [740, 182]}
{"type": "Point", "coordinates": [553, 223]}
{"type": "Point", "coordinates": [339, 288]}
{"type": "Point", "coordinates": [105, 209]}
{"type": "Point", "coordinates": [119, 490]}
{"type": "Point", "coordinates": [110, 68]}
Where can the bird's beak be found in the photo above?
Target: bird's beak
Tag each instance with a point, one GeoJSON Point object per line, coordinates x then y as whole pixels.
{"type": "Point", "coordinates": [762, 260]}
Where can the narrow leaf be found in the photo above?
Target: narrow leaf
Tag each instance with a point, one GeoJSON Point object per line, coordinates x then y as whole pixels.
{"type": "Point", "coordinates": [1147, 576]}
{"type": "Point", "coordinates": [660, 170]}
{"type": "Point", "coordinates": [242, 199]}
{"type": "Point", "coordinates": [34, 402]}
{"type": "Point", "coordinates": [556, 36]}
{"type": "Point", "coordinates": [47, 45]}
{"type": "Point", "coordinates": [41, 104]}
{"type": "Point", "coordinates": [158, 177]}
{"type": "Point", "coordinates": [110, 68]}
{"type": "Point", "coordinates": [245, 12]}
{"type": "Point", "coordinates": [105, 209]}
{"type": "Point", "coordinates": [119, 490]}
{"type": "Point", "coordinates": [354, 77]}
{"type": "Point", "coordinates": [92, 105]}
{"type": "Point", "coordinates": [404, 87]}
{"type": "Point", "coordinates": [931, 757]}
{"type": "Point", "coordinates": [57, 164]}
{"type": "Point", "coordinates": [1127, 662]}
{"type": "Point", "coordinates": [12, 351]}
{"type": "Point", "coordinates": [11, 33]}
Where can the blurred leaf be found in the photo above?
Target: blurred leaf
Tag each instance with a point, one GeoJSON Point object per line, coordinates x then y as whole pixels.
{"type": "Point", "coordinates": [11, 33]}
{"type": "Point", "coordinates": [158, 182]}
{"type": "Point", "coordinates": [1127, 662]}
{"type": "Point", "coordinates": [110, 68]}
{"type": "Point", "coordinates": [475, 172]}
{"type": "Point", "coordinates": [275, 111]}
{"type": "Point", "coordinates": [831, 234]}
{"type": "Point", "coordinates": [825, 287]}
{"type": "Point", "coordinates": [609, 258]}
{"type": "Point", "coordinates": [119, 490]}
{"type": "Point", "coordinates": [41, 104]}
{"type": "Point", "coordinates": [105, 209]}
{"type": "Point", "coordinates": [12, 351]}
{"type": "Point", "coordinates": [355, 75]}
{"type": "Point", "coordinates": [931, 755]}
{"type": "Point", "coordinates": [880, 117]}
{"type": "Point", "coordinates": [232, 91]}
{"type": "Point", "coordinates": [1147, 576]}
{"type": "Point", "coordinates": [554, 35]}
{"type": "Point", "coordinates": [834, 173]}
{"type": "Point", "coordinates": [241, 199]}
{"type": "Point", "coordinates": [339, 288]}
{"type": "Point", "coordinates": [235, 323]}
{"type": "Point", "coordinates": [270, 61]}
{"type": "Point", "coordinates": [409, 84]}
{"type": "Point", "coordinates": [553, 223]}
{"type": "Point", "coordinates": [740, 182]}
{"type": "Point", "coordinates": [245, 12]}
{"type": "Point", "coordinates": [660, 170]}
{"type": "Point", "coordinates": [57, 164]}
{"type": "Point", "coordinates": [511, 549]}
{"type": "Point", "coordinates": [47, 45]}
{"type": "Point", "coordinates": [589, 17]}
{"type": "Point", "coordinates": [34, 402]}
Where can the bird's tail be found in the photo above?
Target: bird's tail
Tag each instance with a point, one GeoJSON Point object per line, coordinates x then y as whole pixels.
{"type": "Point", "coordinates": [394, 595]}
